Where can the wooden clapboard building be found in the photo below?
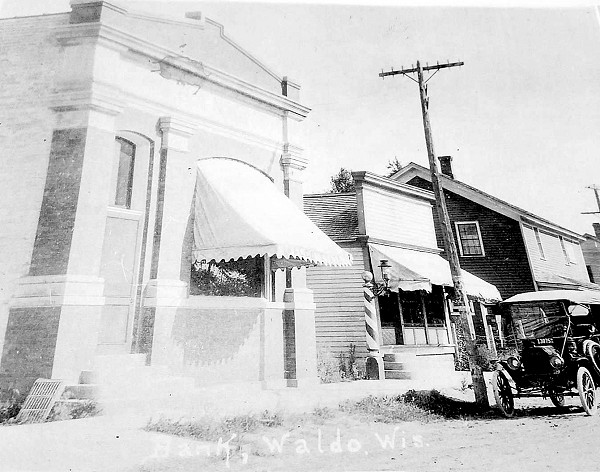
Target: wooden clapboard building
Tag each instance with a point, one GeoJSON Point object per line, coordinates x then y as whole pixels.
{"type": "Point", "coordinates": [591, 253]}
{"type": "Point", "coordinates": [507, 246]}
{"type": "Point", "coordinates": [385, 220]}
{"type": "Point", "coordinates": [504, 245]}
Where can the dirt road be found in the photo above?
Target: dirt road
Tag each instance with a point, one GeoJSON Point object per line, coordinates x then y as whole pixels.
{"type": "Point", "coordinates": [539, 438]}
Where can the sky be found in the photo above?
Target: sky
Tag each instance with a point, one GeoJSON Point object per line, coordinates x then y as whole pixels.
{"type": "Point", "coordinates": [521, 118]}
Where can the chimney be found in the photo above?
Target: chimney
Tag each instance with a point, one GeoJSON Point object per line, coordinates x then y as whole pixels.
{"type": "Point", "coordinates": [446, 166]}
{"type": "Point", "coordinates": [596, 229]}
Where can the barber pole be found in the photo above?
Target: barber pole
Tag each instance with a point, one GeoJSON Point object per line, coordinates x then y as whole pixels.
{"type": "Point", "coordinates": [374, 362]}
{"type": "Point", "coordinates": [371, 320]}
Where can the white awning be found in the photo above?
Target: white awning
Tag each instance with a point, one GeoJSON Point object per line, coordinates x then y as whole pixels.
{"type": "Point", "coordinates": [240, 213]}
{"type": "Point", "coordinates": [591, 297]}
{"type": "Point", "coordinates": [417, 270]}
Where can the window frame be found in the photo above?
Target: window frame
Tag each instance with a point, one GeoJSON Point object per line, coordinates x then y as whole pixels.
{"type": "Point", "coordinates": [263, 284]}
{"type": "Point", "coordinates": [564, 250]}
{"type": "Point", "coordinates": [538, 239]}
{"type": "Point", "coordinates": [130, 177]}
{"type": "Point", "coordinates": [563, 244]}
{"type": "Point", "coordinates": [460, 242]}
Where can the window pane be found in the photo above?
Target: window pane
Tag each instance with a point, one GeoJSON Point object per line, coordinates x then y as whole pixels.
{"type": "Point", "coordinates": [412, 308]}
{"type": "Point", "coordinates": [469, 239]}
{"type": "Point", "coordinates": [564, 250]}
{"type": "Point", "coordinates": [125, 174]}
{"type": "Point", "coordinates": [570, 252]}
{"type": "Point", "coordinates": [539, 243]}
{"type": "Point", "coordinates": [241, 278]}
{"type": "Point", "coordinates": [434, 303]}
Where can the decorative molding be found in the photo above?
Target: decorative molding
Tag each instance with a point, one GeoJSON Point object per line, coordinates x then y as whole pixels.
{"type": "Point", "coordinates": [221, 29]}
{"type": "Point", "coordinates": [204, 123]}
{"type": "Point", "coordinates": [57, 290]}
{"type": "Point", "coordinates": [176, 133]}
{"type": "Point", "coordinates": [299, 299]}
{"type": "Point", "coordinates": [292, 162]}
{"type": "Point", "coordinates": [164, 292]}
{"type": "Point", "coordinates": [123, 213]}
{"type": "Point", "coordinates": [74, 106]}
{"type": "Point", "coordinates": [74, 33]}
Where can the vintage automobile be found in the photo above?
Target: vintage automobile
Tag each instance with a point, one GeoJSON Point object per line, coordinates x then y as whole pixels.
{"type": "Point", "coordinates": [557, 340]}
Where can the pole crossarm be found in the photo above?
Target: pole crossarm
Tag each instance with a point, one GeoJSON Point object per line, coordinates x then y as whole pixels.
{"type": "Point", "coordinates": [435, 67]}
{"type": "Point", "coordinates": [596, 190]}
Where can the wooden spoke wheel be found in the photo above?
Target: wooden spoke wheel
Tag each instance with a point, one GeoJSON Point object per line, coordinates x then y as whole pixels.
{"type": "Point", "coordinates": [587, 391]}
{"type": "Point", "coordinates": [503, 393]}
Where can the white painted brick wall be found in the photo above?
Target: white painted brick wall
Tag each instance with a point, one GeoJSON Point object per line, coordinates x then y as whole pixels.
{"type": "Point", "coordinates": [28, 57]}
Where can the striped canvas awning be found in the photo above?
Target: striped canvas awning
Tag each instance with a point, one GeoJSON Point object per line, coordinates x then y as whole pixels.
{"type": "Point", "coordinates": [240, 213]}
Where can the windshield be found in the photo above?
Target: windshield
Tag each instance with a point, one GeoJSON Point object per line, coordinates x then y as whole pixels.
{"type": "Point", "coordinates": [538, 320]}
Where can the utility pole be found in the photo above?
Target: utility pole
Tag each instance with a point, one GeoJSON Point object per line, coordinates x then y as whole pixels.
{"type": "Point", "coordinates": [596, 190]}
{"type": "Point", "coordinates": [461, 300]}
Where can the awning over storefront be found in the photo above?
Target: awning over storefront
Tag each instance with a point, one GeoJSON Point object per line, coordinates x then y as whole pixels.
{"type": "Point", "coordinates": [416, 270]}
{"type": "Point", "coordinates": [240, 213]}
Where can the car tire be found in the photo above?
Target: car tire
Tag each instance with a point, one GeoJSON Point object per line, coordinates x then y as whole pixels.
{"type": "Point", "coordinates": [587, 391]}
{"type": "Point", "coordinates": [558, 399]}
{"type": "Point", "coordinates": [503, 393]}
{"type": "Point", "coordinates": [592, 351]}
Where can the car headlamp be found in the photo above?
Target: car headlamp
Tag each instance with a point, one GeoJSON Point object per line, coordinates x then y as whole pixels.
{"type": "Point", "coordinates": [513, 362]}
{"type": "Point", "coordinates": [572, 347]}
{"type": "Point", "coordinates": [557, 362]}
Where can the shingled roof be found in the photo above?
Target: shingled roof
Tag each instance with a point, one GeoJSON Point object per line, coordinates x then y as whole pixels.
{"type": "Point", "coordinates": [334, 213]}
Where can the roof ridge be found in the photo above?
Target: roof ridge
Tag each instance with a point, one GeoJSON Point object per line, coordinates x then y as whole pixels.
{"type": "Point", "coordinates": [489, 196]}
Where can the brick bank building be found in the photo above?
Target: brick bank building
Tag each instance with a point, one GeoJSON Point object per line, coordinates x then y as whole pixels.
{"type": "Point", "coordinates": [146, 169]}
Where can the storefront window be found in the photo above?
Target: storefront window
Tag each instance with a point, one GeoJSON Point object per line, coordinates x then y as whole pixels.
{"type": "Point", "coordinates": [434, 304]}
{"type": "Point", "coordinates": [241, 278]}
{"type": "Point", "coordinates": [412, 308]}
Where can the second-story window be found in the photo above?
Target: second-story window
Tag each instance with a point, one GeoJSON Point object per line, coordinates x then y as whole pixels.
{"type": "Point", "coordinates": [469, 238]}
{"type": "Point", "coordinates": [568, 251]}
{"type": "Point", "coordinates": [539, 243]}
{"type": "Point", "coordinates": [125, 173]}
{"type": "Point", "coordinates": [564, 250]}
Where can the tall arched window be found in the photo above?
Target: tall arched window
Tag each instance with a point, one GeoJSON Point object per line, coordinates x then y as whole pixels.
{"type": "Point", "coordinates": [125, 173]}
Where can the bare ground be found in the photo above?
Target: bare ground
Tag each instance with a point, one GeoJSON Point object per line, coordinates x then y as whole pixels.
{"type": "Point", "coordinates": [539, 438]}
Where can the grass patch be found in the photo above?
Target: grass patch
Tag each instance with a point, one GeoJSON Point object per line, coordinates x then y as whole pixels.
{"type": "Point", "coordinates": [212, 429]}
{"type": "Point", "coordinates": [73, 411]}
{"type": "Point", "coordinates": [442, 406]}
{"type": "Point", "coordinates": [422, 406]}
{"type": "Point", "coordinates": [387, 410]}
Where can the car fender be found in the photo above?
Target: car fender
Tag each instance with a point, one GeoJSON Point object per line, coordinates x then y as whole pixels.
{"type": "Point", "coordinates": [588, 346]}
{"type": "Point", "coordinates": [506, 371]}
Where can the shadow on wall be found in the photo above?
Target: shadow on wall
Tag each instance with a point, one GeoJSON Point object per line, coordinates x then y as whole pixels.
{"type": "Point", "coordinates": [209, 336]}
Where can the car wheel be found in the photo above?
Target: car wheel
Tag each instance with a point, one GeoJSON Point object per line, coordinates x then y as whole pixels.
{"type": "Point", "coordinates": [558, 399]}
{"type": "Point", "coordinates": [587, 391]}
{"type": "Point", "coordinates": [593, 353]}
{"type": "Point", "coordinates": [503, 393]}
